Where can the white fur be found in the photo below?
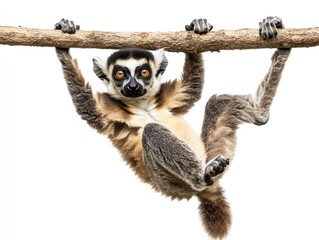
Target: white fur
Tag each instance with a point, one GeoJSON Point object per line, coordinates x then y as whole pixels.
{"type": "Point", "coordinates": [159, 56]}
{"type": "Point", "coordinates": [101, 63]}
{"type": "Point", "coordinates": [148, 113]}
{"type": "Point", "coordinates": [131, 64]}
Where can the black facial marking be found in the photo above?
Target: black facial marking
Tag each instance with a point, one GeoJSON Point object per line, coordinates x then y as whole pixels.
{"type": "Point", "coordinates": [128, 85]}
{"type": "Point", "coordinates": [135, 53]}
{"type": "Point", "coordinates": [142, 67]}
{"type": "Point", "coordinates": [125, 70]}
{"type": "Point", "coordinates": [133, 89]}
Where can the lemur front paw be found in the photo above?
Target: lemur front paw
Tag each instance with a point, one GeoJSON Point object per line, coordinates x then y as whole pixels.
{"type": "Point", "coordinates": [67, 26]}
{"type": "Point", "coordinates": [268, 27]}
{"type": "Point", "coordinates": [199, 26]}
{"type": "Point", "coordinates": [215, 167]}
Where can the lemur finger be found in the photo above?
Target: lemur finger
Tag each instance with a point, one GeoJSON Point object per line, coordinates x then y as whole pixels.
{"type": "Point", "coordinates": [209, 180]}
{"type": "Point", "coordinates": [214, 168]}
{"type": "Point", "coordinates": [217, 166]}
{"type": "Point", "coordinates": [205, 27]}
{"type": "Point", "coordinates": [210, 27]}
{"type": "Point", "coordinates": [190, 27]}
{"type": "Point", "coordinates": [200, 26]}
{"type": "Point", "coordinates": [65, 26]}
{"type": "Point", "coordinates": [58, 26]}
{"type": "Point", "coordinates": [72, 27]}
{"type": "Point", "coordinates": [223, 161]}
{"type": "Point", "coordinates": [277, 22]}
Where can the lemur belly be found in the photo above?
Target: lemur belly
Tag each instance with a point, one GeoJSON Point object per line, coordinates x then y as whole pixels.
{"type": "Point", "coordinates": [175, 124]}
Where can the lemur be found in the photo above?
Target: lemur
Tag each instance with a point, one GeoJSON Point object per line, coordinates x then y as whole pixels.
{"type": "Point", "coordinates": [142, 117]}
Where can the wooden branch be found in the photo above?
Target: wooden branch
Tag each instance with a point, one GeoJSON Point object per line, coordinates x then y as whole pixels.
{"type": "Point", "coordinates": [171, 41]}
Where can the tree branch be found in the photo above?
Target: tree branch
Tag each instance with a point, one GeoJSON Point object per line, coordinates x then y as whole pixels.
{"type": "Point", "coordinates": [171, 41]}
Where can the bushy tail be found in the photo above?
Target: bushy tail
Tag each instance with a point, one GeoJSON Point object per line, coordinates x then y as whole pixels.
{"type": "Point", "coordinates": [215, 212]}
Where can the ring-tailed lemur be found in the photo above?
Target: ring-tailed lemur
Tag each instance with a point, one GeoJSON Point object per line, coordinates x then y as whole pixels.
{"type": "Point", "coordinates": [143, 118]}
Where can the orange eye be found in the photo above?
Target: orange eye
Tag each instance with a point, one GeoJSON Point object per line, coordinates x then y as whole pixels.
{"type": "Point", "coordinates": [119, 74]}
{"type": "Point", "coordinates": [145, 73]}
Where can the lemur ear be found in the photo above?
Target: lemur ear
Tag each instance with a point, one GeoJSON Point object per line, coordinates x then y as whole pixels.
{"type": "Point", "coordinates": [160, 62]}
{"type": "Point", "coordinates": [99, 67]}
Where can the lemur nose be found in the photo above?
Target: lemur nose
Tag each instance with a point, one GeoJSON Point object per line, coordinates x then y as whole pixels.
{"type": "Point", "coordinates": [133, 85]}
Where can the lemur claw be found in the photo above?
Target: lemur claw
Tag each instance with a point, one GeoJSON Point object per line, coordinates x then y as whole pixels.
{"type": "Point", "coordinates": [199, 26]}
{"type": "Point", "coordinates": [215, 167]}
{"type": "Point", "coordinates": [67, 26]}
{"type": "Point", "coordinates": [268, 27]}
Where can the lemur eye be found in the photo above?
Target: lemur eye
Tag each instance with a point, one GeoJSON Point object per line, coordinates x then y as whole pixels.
{"type": "Point", "coordinates": [119, 74]}
{"type": "Point", "coordinates": [145, 73]}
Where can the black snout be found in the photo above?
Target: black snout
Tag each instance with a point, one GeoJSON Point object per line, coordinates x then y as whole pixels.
{"type": "Point", "coordinates": [133, 89]}
{"type": "Point", "coordinates": [133, 85]}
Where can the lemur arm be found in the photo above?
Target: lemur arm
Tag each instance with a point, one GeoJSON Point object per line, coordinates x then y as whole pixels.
{"type": "Point", "coordinates": [180, 95]}
{"type": "Point", "coordinates": [80, 91]}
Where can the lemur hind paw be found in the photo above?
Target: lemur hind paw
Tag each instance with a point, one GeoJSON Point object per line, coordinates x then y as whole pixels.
{"type": "Point", "coordinates": [215, 167]}
{"type": "Point", "coordinates": [268, 27]}
{"type": "Point", "coordinates": [67, 26]}
{"type": "Point", "coordinates": [199, 26]}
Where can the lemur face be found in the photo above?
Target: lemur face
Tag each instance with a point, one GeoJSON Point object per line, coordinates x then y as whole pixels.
{"type": "Point", "coordinates": [132, 77]}
{"type": "Point", "coordinates": [131, 73]}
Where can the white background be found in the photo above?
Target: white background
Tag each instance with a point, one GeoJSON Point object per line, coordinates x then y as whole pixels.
{"type": "Point", "coordinates": [62, 180]}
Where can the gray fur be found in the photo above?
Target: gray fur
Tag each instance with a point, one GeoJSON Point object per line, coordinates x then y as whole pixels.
{"type": "Point", "coordinates": [158, 156]}
{"type": "Point", "coordinates": [173, 167]}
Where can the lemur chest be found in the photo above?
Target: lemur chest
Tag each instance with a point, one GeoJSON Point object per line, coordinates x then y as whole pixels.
{"type": "Point", "coordinates": [176, 124]}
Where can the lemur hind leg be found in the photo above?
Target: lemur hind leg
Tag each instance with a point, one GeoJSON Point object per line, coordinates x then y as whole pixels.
{"type": "Point", "coordinates": [219, 126]}
{"type": "Point", "coordinates": [223, 114]}
{"type": "Point", "coordinates": [173, 167]}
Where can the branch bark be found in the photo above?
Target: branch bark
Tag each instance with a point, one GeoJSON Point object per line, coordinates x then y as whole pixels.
{"type": "Point", "coordinates": [171, 41]}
